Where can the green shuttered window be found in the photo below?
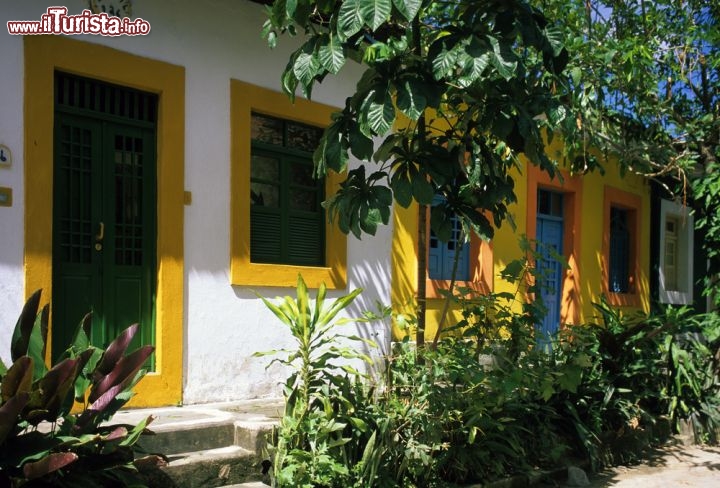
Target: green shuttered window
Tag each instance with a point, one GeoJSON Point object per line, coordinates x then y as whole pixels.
{"type": "Point", "coordinates": [287, 224]}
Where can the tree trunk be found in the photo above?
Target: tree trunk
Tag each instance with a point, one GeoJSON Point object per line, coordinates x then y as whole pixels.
{"type": "Point", "coordinates": [421, 275]}
{"type": "Point", "coordinates": [422, 223]}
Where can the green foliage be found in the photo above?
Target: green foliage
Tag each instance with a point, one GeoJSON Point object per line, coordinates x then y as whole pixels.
{"type": "Point", "coordinates": [41, 442]}
{"type": "Point", "coordinates": [321, 440]}
{"type": "Point", "coordinates": [472, 82]}
{"type": "Point", "coordinates": [645, 80]}
{"type": "Point", "coordinates": [691, 355]}
{"type": "Point", "coordinates": [706, 196]}
{"type": "Point", "coordinates": [489, 401]}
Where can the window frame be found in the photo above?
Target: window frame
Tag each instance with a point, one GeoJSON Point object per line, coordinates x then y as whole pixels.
{"type": "Point", "coordinates": [246, 98]}
{"type": "Point", "coordinates": [683, 257]}
{"type": "Point", "coordinates": [632, 203]}
{"type": "Point", "coordinates": [480, 268]}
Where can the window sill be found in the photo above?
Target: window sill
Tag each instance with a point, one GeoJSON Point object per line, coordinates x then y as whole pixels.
{"type": "Point", "coordinates": [285, 275]}
{"type": "Point", "coordinates": [672, 297]}
{"type": "Point", "coordinates": [435, 288]}
{"type": "Point", "coordinates": [623, 299]}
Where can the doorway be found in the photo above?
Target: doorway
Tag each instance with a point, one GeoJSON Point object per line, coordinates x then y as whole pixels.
{"type": "Point", "coordinates": [549, 234]}
{"type": "Point", "coordinates": [104, 210]}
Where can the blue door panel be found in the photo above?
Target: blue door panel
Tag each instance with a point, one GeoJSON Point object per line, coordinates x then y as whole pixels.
{"type": "Point", "coordinates": [550, 234]}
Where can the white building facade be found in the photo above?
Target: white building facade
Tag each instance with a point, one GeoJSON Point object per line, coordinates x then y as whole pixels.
{"type": "Point", "coordinates": [134, 167]}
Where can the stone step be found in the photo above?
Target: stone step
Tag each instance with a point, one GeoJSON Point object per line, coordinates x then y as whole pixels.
{"type": "Point", "coordinates": [202, 427]}
{"type": "Point", "coordinates": [208, 469]}
{"type": "Point", "coordinates": [207, 446]}
{"type": "Point", "coordinates": [252, 484]}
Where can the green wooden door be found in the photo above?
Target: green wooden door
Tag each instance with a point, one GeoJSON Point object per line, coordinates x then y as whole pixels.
{"type": "Point", "coordinates": [104, 226]}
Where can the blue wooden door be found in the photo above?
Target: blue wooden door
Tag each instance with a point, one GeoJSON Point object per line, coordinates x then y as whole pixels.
{"type": "Point", "coordinates": [550, 237]}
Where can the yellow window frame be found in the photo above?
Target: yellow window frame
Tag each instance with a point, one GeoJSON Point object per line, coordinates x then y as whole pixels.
{"type": "Point", "coordinates": [246, 98]}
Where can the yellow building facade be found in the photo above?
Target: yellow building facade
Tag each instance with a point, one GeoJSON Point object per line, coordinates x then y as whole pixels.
{"type": "Point", "coordinates": [589, 202]}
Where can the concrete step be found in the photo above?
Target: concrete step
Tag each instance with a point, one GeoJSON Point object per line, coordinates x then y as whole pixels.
{"type": "Point", "coordinates": [208, 426]}
{"type": "Point", "coordinates": [252, 484]}
{"type": "Point", "coordinates": [209, 468]}
{"type": "Point", "coordinates": [209, 445]}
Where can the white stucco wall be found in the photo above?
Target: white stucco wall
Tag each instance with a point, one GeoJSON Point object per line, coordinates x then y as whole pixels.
{"type": "Point", "coordinates": [224, 325]}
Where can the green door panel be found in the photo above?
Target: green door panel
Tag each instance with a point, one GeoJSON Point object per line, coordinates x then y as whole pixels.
{"type": "Point", "coordinates": [76, 266]}
{"type": "Point", "coordinates": [104, 229]}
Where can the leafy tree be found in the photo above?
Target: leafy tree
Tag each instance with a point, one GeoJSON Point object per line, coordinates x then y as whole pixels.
{"type": "Point", "coordinates": [645, 78]}
{"type": "Point", "coordinates": [453, 91]}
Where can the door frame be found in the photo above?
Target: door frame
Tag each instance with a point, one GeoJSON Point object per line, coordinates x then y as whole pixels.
{"type": "Point", "coordinates": [43, 56]}
{"type": "Point", "coordinates": [572, 189]}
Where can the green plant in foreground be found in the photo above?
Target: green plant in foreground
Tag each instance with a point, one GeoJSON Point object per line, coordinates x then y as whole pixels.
{"type": "Point", "coordinates": [321, 441]}
{"type": "Point", "coordinates": [691, 357]}
{"type": "Point", "coordinates": [41, 442]}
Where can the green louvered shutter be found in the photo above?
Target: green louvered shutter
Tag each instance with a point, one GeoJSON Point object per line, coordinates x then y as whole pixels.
{"type": "Point", "coordinates": [287, 222]}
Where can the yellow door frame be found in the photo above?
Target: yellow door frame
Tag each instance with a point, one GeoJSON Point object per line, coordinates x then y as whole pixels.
{"type": "Point", "coordinates": [43, 56]}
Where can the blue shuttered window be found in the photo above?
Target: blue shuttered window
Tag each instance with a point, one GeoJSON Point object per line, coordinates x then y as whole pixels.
{"type": "Point", "coordinates": [287, 224]}
{"type": "Point", "coordinates": [442, 254]}
{"type": "Point", "coordinates": [619, 251]}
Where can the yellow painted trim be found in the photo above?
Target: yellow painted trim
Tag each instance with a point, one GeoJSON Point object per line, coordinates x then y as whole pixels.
{"type": "Point", "coordinates": [44, 55]}
{"type": "Point", "coordinates": [245, 98]}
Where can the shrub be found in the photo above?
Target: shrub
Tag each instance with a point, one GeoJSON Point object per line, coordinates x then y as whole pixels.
{"type": "Point", "coordinates": [321, 440]}
{"type": "Point", "coordinates": [440, 417]}
{"type": "Point", "coordinates": [41, 442]}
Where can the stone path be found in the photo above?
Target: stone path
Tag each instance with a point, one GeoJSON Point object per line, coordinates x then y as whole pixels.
{"type": "Point", "coordinates": [669, 467]}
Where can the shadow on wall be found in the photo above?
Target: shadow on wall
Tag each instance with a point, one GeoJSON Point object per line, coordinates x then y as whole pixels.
{"type": "Point", "coordinates": [374, 277]}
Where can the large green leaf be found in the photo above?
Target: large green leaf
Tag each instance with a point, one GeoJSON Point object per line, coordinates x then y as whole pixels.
{"type": "Point", "coordinates": [360, 145]}
{"type": "Point", "coordinates": [331, 54]}
{"type": "Point", "coordinates": [556, 39]}
{"type": "Point", "coordinates": [408, 8]}
{"type": "Point", "coordinates": [379, 113]}
{"type": "Point", "coordinates": [330, 153]}
{"type": "Point", "coordinates": [402, 189]}
{"type": "Point", "coordinates": [370, 218]}
{"type": "Point", "coordinates": [290, 6]}
{"type": "Point", "coordinates": [443, 59]}
{"type": "Point", "coordinates": [24, 326]}
{"type": "Point", "coordinates": [350, 20]}
{"type": "Point", "coordinates": [422, 189]}
{"type": "Point", "coordinates": [9, 412]}
{"type": "Point", "coordinates": [411, 99]}
{"type": "Point", "coordinates": [18, 378]}
{"type": "Point", "coordinates": [375, 12]}
{"type": "Point", "coordinates": [37, 345]}
{"type": "Point", "coordinates": [289, 80]}
{"type": "Point", "coordinates": [503, 58]}
{"type": "Point", "coordinates": [478, 60]}
{"type": "Point", "coordinates": [305, 68]}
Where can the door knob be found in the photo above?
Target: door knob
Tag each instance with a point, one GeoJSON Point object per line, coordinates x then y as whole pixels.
{"type": "Point", "coordinates": [101, 232]}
